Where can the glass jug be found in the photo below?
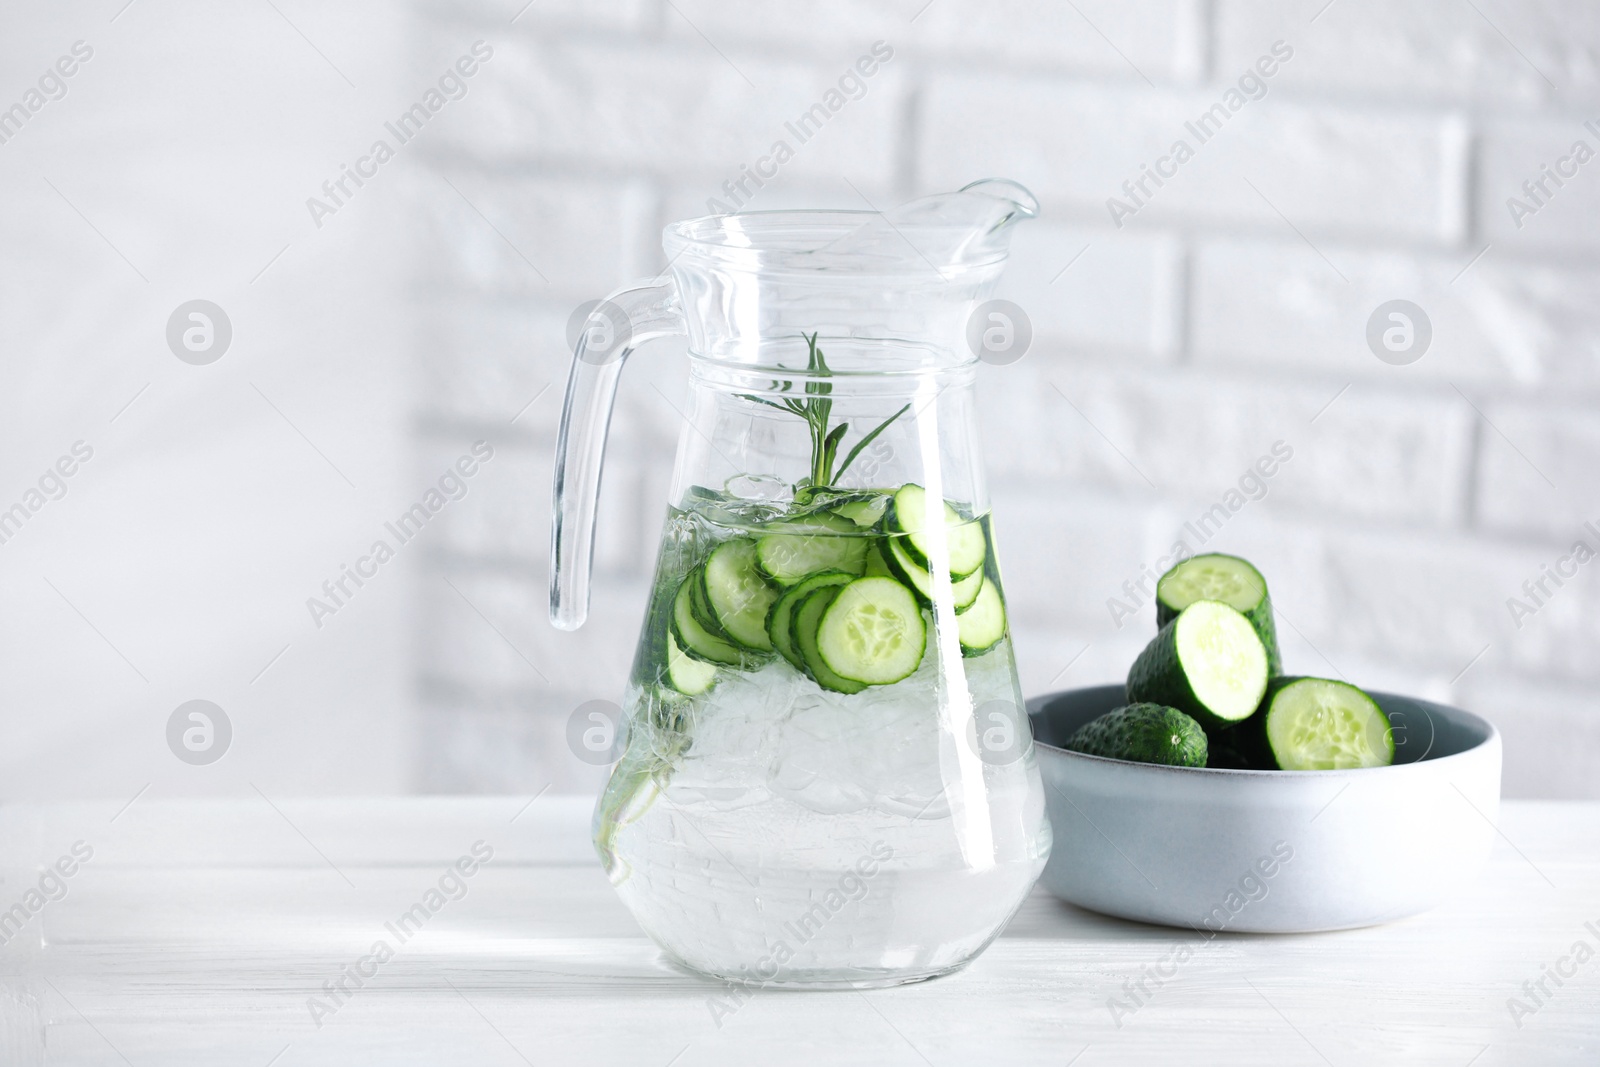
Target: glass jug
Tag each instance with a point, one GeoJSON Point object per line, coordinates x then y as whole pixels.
{"type": "Point", "coordinates": [828, 778]}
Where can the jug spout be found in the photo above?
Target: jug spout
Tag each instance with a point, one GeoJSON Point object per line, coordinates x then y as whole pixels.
{"type": "Point", "coordinates": [948, 230]}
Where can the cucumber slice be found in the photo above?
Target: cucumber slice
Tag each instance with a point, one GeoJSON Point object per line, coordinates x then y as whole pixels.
{"type": "Point", "coordinates": [791, 551]}
{"type": "Point", "coordinates": [781, 617]}
{"type": "Point", "coordinates": [694, 639]}
{"type": "Point", "coordinates": [686, 674]}
{"type": "Point", "coordinates": [877, 565]}
{"type": "Point", "coordinates": [1143, 733]}
{"type": "Point", "coordinates": [968, 589]}
{"type": "Point", "coordinates": [865, 511]}
{"type": "Point", "coordinates": [701, 607]}
{"type": "Point", "coordinates": [902, 567]}
{"type": "Point", "coordinates": [1315, 724]}
{"type": "Point", "coordinates": [1208, 663]}
{"type": "Point", "coordinates": [908, 514]}
{"type": "Point", "coordinates": [872, 632]}
{"type": "Point", "coordinates": [1232, 580]}
{"type": "Point", "coordinates": [803, 629]}
{"type": "Point", "coordinates": [737, 594]}
{"type": "Point", "coordinates": [983, 624]}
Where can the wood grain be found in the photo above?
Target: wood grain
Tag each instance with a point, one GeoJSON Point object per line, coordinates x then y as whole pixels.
{"type": "Point", "coordinates": [199, 930]}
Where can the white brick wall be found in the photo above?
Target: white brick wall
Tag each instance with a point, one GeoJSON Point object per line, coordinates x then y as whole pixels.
{"type": "Point", "coordinates": [1218, 320]}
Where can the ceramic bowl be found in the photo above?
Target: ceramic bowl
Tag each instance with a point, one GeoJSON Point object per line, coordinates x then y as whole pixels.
{"type": "Point", "coordinates": [1269, 851]}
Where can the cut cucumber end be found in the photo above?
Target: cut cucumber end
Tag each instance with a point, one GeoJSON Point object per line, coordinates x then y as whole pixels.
{"type": "Point", "coordinates": [1223, 659]}
{"type": "Point", "coordinates": [1208, 663]}
{"type": "Point", "coordinates": [1316, 724]}
{"type": "Point", "coordinates": [1214, 576]}
{"type": "Point", "coordinates": [1227, 579]}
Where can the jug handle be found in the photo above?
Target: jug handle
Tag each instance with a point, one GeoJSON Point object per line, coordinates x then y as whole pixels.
{"type": "Point", "coordinates": [618, 324]}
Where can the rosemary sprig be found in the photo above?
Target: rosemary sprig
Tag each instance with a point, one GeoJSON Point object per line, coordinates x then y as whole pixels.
{"type": "Point", "coordinates": [816, 410]}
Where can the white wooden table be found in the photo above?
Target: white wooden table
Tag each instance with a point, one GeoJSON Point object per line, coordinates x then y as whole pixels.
{"type": "Point", "coordinates": [199, 930]}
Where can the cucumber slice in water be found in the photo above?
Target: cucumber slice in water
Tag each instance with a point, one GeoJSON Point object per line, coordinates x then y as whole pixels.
{"type": "Point", "coordinates": [982, 625]}
{"type": "Point", "coordinates": [803, 626]}
{"type": "Point", "coordinates": [686, 674]}
{"type": "Point", "coordinates": [781, 617]}
{"type": "Point", "coordinates": [908, 515]}
{"type": "Point", "coordinates": [737, 594]}
{"type": "Point", "coordinates": [791, 551]}
{"type": "Point", "coordinates": [691, 637]}
{"type": "Point", "coordinates": [1315, 724]}
{"type": "Point", "coordinates": [872, 632]}
{"type": "Point", "coordinates": [901, 566]}
{"type": "Point", "coordinates": [1208, 663]}
{"type": "Point", "coordinates": [864, 511]}
{"type": "Point", "coordinates": [1233, 581]}
{"type": "Point", "coordinates": [877, 564]}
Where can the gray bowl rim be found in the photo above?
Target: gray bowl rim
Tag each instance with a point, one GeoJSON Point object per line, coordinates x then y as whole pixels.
{"type": "Point", "coordinates": [1036, 705]}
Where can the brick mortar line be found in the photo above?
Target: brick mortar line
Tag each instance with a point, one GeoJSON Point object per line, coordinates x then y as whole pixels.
{"type": "Point", "coordinates": [533, 169]}
{"type": "Point", "coordinates": [1314, 522]}
{"type": "Point", "coordinates": [1414, 97]}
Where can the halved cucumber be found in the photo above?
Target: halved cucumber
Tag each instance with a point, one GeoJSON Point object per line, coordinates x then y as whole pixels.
{"type": "Point", "coordinates": [908, 515]}
{"type": "Point", "coordinates": [1315, 724]}
{"type": "Point", "coordinates": [872, 632]}
{"type": "Point", "coordinates": [982, 625]}
{"type": "Point", "coordinates": [792, 550]}
{"type": "Point", "coordinates": [1208, 663]}
{"type": "Point", "coordinates": [1234, 581]}
{"type": "Point", "coordinates": [737, 594]}
{"type": "Point", "coordinates": [686, 674]}
{"type": "Point", "coordinates": [690, 636]}
{"type": "Point", "coordinates": [780, 618]}
{"type": "Point", "coordinates": [803, 630]}
{"type": "Point", "coordinates": [908, 571]}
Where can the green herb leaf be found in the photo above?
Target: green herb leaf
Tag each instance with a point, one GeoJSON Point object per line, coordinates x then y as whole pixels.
{"type": "Point", "coordinates": [850, 457]}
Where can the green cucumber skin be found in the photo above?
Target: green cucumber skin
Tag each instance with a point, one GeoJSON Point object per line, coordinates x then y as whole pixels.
{"type": "Point", "coordinates": [897, 571]}
{"type": "Point", "coordinates": [1260, 616]}
{"type": "Point", "coordinates": [712, 649]}
{"type": "Point", "coordinates": [1143, 733]}
{"type": "Point", "coordinates": [1251, 738]}
{"type": "Point", "coordinates": [969, 650]}
{"type": "Point", "coordinates": [892, 525]}
{"type": "Point", "coordinates": [780, 616]}
{"type": "Point", "coordinates": [1157, 677]}
{"type": "Point", "coordinates": [806, 619]}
